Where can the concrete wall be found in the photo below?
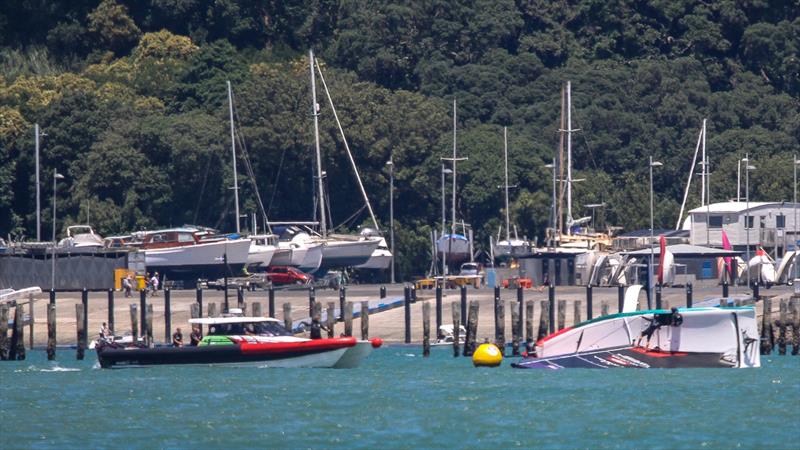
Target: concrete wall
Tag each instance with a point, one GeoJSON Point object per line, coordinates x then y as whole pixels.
{"type": "Point", "coordinates": [73, 271]}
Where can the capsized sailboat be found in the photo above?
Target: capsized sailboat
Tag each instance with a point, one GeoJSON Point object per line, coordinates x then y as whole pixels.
{"type": "Point", "coordinates": [677, 338]}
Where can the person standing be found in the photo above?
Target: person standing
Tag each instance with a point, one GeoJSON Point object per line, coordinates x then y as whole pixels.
{"type": "Point", "coordinates": [154, 283]}
{"type": "Point", "coordinates": [127, 285]}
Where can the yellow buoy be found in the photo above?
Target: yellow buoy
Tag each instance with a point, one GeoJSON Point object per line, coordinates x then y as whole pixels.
{"type": "Point", "coordinates": [487, 355]}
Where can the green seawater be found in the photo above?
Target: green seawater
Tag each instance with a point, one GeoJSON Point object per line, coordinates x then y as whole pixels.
{"type": "Point", "coordinates": [396, 399]}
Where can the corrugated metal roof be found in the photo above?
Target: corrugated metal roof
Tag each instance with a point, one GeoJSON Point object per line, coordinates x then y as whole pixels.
{"type": "Point", "coordinates": [735, 207]}
{"type": "Point", "coordinates": [687, 250]}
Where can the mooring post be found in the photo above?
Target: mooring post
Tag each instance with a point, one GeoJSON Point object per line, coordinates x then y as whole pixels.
{"type": "Point", "coordinates": [331, 319]}
{"type": "Point", "coordinates": [500, 327]}
{"type": "Point", "coordinates": [256, 309]}
{"type": "Point", "coordinates": [199, 300]}
{"type": "Point", "coordinates": [364, 320]}
{"type": "Point", "coordinates": [4, 332]}
{"type": "Point", "coordinates": [167, 314]}
{"type": "Point", "coordinates": [382, 292]}
{"type": "Point", "coordinates": [551, 308]}
{"type": "Point", "coordinates": [85, 302]}
{"type": "Point", "coordinates": [620, 298]}
{"type": "Point", "coordinates": [426, 329]}
{"type": "Point", "coordinates": [438, 310]}
{"type": "Point", "coordinates": [149, 324]}
{"type": "Point", "coordinates": [756, 289]}
{"type": "Point", "coordinates": [562, 314]}
{"type": "Point", "coordinates": [134, 323]}
{"type": "Point", "coordinates": [658, 295]}
{"type": "Point", "coordinates": [603, 308]}
{"type": "Point", "coordinates": [271, 301]}
{"type": "Point", "coordinates": [724, 287]}
{"type": "Point", "coordinates": [767, 338]}
{"type": "Point", "coordinates": [407, 313]}
{"type": "Point", "coordinates": [520, 313]}
{"type": "Point", "coordinates": [195, 313]}
{"type": "Point", "coordinates": [240, 297]}
{"type": "Point", "coordinates": [316, 312]}
{"type": "Point", "coordinates": [784, 309]}
{"type": "Point", "coordinates": [472, 328]}
{"type": "Point", "coordinates": [589, 302]}
{"type": "Point", "coordinates": [80, 317]}
{"type": "Point", "coordinates": [312, 298]}
{"type": "Point", "coordinates": [212, 310]}
{"type": "Point", "coordinates": [576, 313]}
{"type": "Point", "coordinates": [496, 306]}
{"type": "Point", "coordinates": [287, 317]}
{"type": "Point", "coordinates": [544, 317]}
{"type": "Point", "coordinates": [348, 319]}
{"type": "Point", "coordinates": [529, 325]}
{"type": "Point", "coordinates": [688, 295]}
{"type": "Point", "coordinates": [795, 325]}
{"type": "Point", "coordinates": [456, 312]}
{"type": "Point", "coordinates": [18, 335]}
{"type": "Point", "coordinates": [110, 310]}
{"type": "Point", "coordinates": [142, 309]}
{"type": "Point", "coordinates": [33, 319]}
{"type": "Point", "coordinates": [464, 305]}
{"type": "Point", "coordinates": [515, 327]}
{"type": "Point", "coordinates": [51, 331]}
{"type": "Point", "coordinates": [342, 300]}
{"type": "Point", "coordinates": [413, 293]}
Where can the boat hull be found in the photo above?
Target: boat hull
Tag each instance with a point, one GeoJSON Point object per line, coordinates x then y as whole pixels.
{"type": "Point", "coordinates": [456, 249]}
{"type": "Point", "coordinates": [308, 353]}
{"type": "Point", "coordinates": [341, 253]}
{"type": "Point", "coordinates": [282, 257]}
{"type": "Point", "coordinates": [627, 357]}
{"type": "Point", "coordinates": [260, 255]}
{"type": "Point", "coordinates": [204, 260]}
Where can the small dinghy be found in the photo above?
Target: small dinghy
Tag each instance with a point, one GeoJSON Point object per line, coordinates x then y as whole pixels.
{"type": "Point", "coordinates": [677, 338]}
{"type": "Point", "coordinates": [240, 340]}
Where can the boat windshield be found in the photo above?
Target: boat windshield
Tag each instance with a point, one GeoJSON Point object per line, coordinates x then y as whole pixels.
{"type": "Point", "coordinates": [245, 328]}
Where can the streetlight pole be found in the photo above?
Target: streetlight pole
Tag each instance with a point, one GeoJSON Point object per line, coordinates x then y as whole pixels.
{"type": "Point", "coordinates": [38, 195]}
{"type": "Point", "coordinates": [56, 176]}
{"type": "Point", "coordinates": [391, 215]}
{"type": "Point", "coordinates": [652, 237]}
{"type": "Point", "coordinates": [795, 162]}
{"type": "Point", "coordinates": [747, 216]}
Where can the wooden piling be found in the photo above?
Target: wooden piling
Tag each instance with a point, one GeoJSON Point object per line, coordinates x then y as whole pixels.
{"type": "Point", "coordinates": [576, 313]}
{"type": "Point", "coordinates": [287, 316]}
{"type": "Point", "coordinates": [365, 320]}
{"type": "Point", "coordinates": [544, 316]}
{"type": "Point", "coordinates": [562, 314]}
{"type": "Point", "coordinates": [724, 287]}
{"type": "Point", "coordinates": [464, 307]}
{"type": "Point", "coordinates": [426, 329]}
{"type": "Point", "coordinates": [348, 319]}
{"type": "Point", "coordinates": [688, 295]}
{"type": "Point", "coordinates": [134, 323]}
{"type": "Point", "coordinates": [18, 334]}
{"type": "Point", "coordinates": [767, 338]}
{"type": "Point", "coordinates": [407, 314]}
{"type": "Point", "coordinates": [111, 326]}
{"type": "Point", "coordinates": [80, 316]}
{"type": "Point", "coordinates": [256, 309]}
{"type": "Point", "coordinates": [33, 320]}
{"type": "Point", "coordinates": [658, 296]}
{"type": "Point", "coordinates": [413, 294]}
{"type": "Point", "coordinates": [167, 314]}
{"type": "Point", "coordinates": [515, 328]}
{"type": "Point", "coordinates": [382, 292]}
{"type": "Point", "coordinates": [316, 312]}
{"type": "Point", "coordinates": [51, 331]}
{"type": "Point", "coordinates": [212, 310]}
{"type": "Point", "coordinates": [456, 312]}
{"type": "Point", "coordinates": [529, 325]}
{"type": "Point", "coordinates": [271, 301]}
{"type": "Point", "coordinates": [142, 309]}
{"type": "Point", "coordinates": [472, 328]}
{"type": "Point", "coordinates": [240, 298]}
{"type": "Point", "coordinates": [520, 312]}
{"type": "Point", "coordinates": [551, 308]}
{"type": "Point", "coordinates": [149, 325]}
{"type": "Point", "coordinates": [589, 299]}
{"type": "Point", "coordinates": [195, 312]}
{"type": "Point", "coordinates": [199, 299]}
{"type": "Point", "coordinates": [331, 318]}
{"type": "Point", "coordinates": [85, 301]}
{"type": "Point", "coordinates": [604, 308]}
{"type": "Point", "coordinates": [312, 298]}
{"type": "Point", "coordinates": [620, 298]}
{"type": "Point", "coordinates": [438, 309]}
{"type": "Point", "coordinates": [4, 350]}
{"type": "Point", "coordinates": [795, 325]}
{"type": "Point", "coordinates": [500, 327]}
{"type": "Point", "coordinates": [342, 301]}
{"type": "Point", "coordinates": [783, 317]}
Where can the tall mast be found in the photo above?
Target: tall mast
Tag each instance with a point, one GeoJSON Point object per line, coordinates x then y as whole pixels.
{"type": "Point", "coordinates": [453, 223]}
{"type": "Point", "coordinates": [233, 152]}
{"type": "Point", "coordinates": [569, 158]}
{"type": "Point", "coordinates": [38, 194]}
{"type": "Point", "coordinates": [315, 112]}
{"type": "Point", "coordinates": [561, 166]}
{"type": "Point", "coordinates": [705, 169]}
{"type": "Point", "coordinates": [505, 160]}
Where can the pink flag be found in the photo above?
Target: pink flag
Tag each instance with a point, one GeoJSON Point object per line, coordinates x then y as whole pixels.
{"type": "Point", "coordinates": [726, 245]}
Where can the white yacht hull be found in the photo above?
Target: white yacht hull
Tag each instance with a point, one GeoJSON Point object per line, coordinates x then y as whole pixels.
{"type": "Point", "coordinates": [204, 260]}
{"type": "Point", "coordinates": [342, 253]}
{"type": "Point", "coordinates": [260, 255]}
{"type": "Point", "coordinates": [282, 257]}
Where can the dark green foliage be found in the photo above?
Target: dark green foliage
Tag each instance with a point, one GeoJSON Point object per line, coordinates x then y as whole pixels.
{"type": "Point", "coordinates": [132, 95]}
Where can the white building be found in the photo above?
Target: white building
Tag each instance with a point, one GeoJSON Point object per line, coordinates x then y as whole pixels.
{"type": "Point", "coordinates": [771, 225]}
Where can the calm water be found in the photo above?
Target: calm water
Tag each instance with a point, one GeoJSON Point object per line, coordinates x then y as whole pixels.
{"type": "Point", "coordinates": [396, 399]}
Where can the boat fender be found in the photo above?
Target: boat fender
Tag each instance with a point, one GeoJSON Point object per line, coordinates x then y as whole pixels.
{"type": "Point", "coordinates": [376, 342]}
{"type": "Point", "coordinates": [487, 355]}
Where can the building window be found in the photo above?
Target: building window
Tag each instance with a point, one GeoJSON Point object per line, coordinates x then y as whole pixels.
{"type": "Point", "coordinates": [715, 222]}
{"type": "Point", "coordinates": [780, 221]}
{"type": "Point", "coordinates": [748, 221]}
{"type": "Point", "coordinates": [762, 222]}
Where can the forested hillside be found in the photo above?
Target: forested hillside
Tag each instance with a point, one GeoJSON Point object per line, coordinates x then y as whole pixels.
{"type": "Point", "coordinates": [131, 95]}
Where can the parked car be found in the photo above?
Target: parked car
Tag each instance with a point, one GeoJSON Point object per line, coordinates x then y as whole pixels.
{"type": "Point", "coordinates": [287, 275]}
{"type": "Point", "coordinates": [470, 268]}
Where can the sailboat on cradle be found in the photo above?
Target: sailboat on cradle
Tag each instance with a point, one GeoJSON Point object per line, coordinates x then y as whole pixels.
{"type": "Point", "coordinates": [509, 247]}
{"type": "Point", "coordinates": [453, 247]}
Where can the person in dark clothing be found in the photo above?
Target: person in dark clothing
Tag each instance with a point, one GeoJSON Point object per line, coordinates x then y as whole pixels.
{"type": "Point", "coordinates": [177, 338]}
{"type": "Point", "coordinates": [195, 337]}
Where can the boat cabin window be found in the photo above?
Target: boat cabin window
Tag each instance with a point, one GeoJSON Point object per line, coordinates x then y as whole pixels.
{"type": "Point", "coordinates": [715, 222]}
{"type": "Point", "coordinates": [160, 237]}
{"type": "Point", "coordinates": [185, 237]}
{"type": "Point", "coordinates": [780, 221]}
{"type": "Point", "coordinates": [244, 328]}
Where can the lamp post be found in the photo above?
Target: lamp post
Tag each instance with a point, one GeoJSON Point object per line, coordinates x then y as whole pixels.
{"type": "Point", "coordinates": [747, 224]}
{"type": "Point", "coordinates": [650, 271]}
{"type": "Point", "coordinates": [390, 164]}
{"type": "Point", "coordinates": [553, 213]}
{"type": "Point", "coordinates": [56, 176]}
